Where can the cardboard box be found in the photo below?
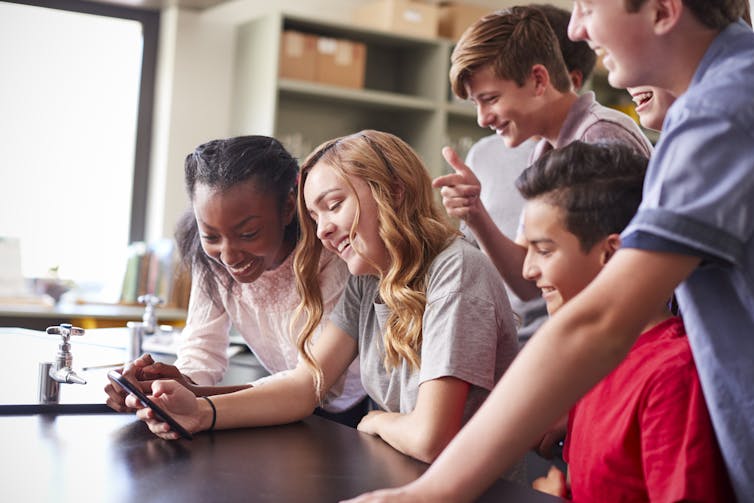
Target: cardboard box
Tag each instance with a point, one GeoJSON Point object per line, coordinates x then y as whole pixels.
{"type": "Point", "coordinates": [298, 55]}
{"type": "Point", "coordinates": [399, 16]}
{"type": "Point", "coordinates": [454, 18]}
{"type": "Point", "coordinates": [340, 62]}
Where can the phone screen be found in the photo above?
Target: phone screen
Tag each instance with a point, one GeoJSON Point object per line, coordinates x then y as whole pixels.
{"type": "Point", "coordinates": [144, 399]}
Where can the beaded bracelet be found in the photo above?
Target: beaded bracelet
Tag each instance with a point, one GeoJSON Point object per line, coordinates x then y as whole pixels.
{"type": "Point", "coordinates": [214, 413]}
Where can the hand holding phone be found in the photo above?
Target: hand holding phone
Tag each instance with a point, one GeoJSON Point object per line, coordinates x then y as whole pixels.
{"type": "Point", "coordinates": [144, 399]}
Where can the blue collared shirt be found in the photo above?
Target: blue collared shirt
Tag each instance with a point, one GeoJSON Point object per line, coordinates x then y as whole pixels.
{"type": "Point", "coordinates": [699, 200]}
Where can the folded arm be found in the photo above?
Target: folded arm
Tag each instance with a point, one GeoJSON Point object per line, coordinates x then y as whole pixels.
{"type": "Point", "coordinates": [424, 432]}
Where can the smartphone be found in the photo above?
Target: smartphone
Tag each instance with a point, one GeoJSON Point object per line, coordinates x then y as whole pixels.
{"type": "Point", "coordinates": [159, 412]}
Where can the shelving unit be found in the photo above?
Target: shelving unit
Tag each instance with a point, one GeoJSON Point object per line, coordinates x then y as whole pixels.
{"type": "Point", "coordinates": [406, 91]}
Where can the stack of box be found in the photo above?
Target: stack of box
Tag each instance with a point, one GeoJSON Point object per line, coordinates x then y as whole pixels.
{"type": "Point", "coordinates": [455, 17]}
{"type": "Point", "coordinates": [340, 62]}
{"type": "Point", "coordinates": [298, 55]}
{"type": "Point", "coordinates": [399, 16]}
{"type": "Point", "coordinates": [325, 60]}
{"type": "Point", "coordinates": [420, 18]}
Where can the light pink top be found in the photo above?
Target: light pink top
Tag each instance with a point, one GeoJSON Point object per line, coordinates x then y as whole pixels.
{"type": "Point", "coordinates": [261, 313]}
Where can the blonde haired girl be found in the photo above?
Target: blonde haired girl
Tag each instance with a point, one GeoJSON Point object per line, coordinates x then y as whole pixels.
{"type": "Point", "coordinates": [413, 230]}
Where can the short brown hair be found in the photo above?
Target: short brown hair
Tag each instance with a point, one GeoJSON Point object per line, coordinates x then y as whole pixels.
{"type": "Point", "coordinates": [512, 41]}
{"type": "Point", "coordinates": [578, 56]}
{"type": "Point", "coordinates": [597, 186]}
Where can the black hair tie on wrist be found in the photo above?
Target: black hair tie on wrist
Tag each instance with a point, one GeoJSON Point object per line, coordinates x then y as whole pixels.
{"type": "Point", "coordinates": [214, 413]}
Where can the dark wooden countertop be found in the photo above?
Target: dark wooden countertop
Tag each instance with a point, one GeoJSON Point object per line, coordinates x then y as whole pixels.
{"type": "Point", "coordinates": [114, 458]}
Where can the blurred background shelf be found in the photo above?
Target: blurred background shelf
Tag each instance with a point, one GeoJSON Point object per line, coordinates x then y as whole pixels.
{"type": "Point", "coordinates": [405, 88]}
{"type": "Point", "coordinates": [87, 316]}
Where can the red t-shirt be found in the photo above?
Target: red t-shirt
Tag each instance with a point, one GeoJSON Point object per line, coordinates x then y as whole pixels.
{"type": "Point", "coordinates": [643, 433]}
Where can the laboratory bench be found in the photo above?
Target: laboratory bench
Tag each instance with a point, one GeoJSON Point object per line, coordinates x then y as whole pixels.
{"type": "Point", "coordinates": [80, 450]}
{"type": "Point", "coordinates": [114, 458]}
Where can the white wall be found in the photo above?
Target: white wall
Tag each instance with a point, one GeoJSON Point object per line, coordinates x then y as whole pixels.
{"type": "Point", "coordinates": [194, 89]}
{"type": "Point", "coordinates": [192, 105]}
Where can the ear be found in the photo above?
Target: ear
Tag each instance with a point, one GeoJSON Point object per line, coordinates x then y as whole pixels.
{"type": "Point", "coordinates": [609, 247]}
{"type": "Point", "coordinates": [577, 79]}
{"type": "Point", "coordinates": [289, 207]}
{"type": "Point", "coordinates": [540, 78]}
{"type": "Point", "coordinates": [666, 14]}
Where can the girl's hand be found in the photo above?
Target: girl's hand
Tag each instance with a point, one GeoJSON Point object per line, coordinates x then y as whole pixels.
{"type": "Point", "coordinates": [142, 372]}
{"type": "Point", "coordinates": [369, 423]}
{"type": "Point", "coordinates": [147, 369]}
{"type": "Point", "coordinates": [174, 399]}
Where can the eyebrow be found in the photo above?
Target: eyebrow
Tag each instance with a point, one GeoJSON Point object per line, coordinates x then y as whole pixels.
{"type": "Point", "coordinates": [324, 194]}
{"type": "Point", "coordinates": [539, 241]}
{"type": "Point", "coordinates": [235, 227]}
{"type": "Point", "coordinates": [486, 94]}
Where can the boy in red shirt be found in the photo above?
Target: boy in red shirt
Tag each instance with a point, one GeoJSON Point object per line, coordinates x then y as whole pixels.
{"type": "Point", "coordinates": [643, 433]}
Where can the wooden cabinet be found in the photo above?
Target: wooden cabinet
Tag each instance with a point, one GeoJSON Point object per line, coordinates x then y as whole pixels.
{"type": "Point", "coordinates": [406, 91]}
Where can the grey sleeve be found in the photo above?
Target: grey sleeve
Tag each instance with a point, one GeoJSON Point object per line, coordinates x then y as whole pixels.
{"type": "Point", "coordinates": [345, 314]}
{"type": "Point", "coordinates": [460, 340]}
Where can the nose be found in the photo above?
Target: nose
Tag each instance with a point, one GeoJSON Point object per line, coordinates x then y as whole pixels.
{"type": "Point", "coordinates": [530, 270]}
{"type": "Point", "coordinates": [229, 253]}
{"type": "Point", "coordinates": [483, 117]}
{"type": "Point", "coordinates": [576, 29]}
{"type": "Point", "coordinates": [324, 228]}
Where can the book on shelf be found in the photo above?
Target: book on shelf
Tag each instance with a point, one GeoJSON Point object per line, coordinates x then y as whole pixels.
{"type": "Point", "coordinates": [154, 268]}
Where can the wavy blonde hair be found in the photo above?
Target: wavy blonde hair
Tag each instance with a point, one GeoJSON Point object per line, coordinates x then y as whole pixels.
{"type": "Point", "coordinates": [411, 224]}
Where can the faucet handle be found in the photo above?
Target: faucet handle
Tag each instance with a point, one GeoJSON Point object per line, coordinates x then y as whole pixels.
{"type": "Point", "coordinates": [65, 330]}
{"type": "Point", "coordinates": [150, 300]}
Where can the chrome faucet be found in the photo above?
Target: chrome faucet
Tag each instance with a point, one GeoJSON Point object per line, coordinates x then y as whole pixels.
{"type": "Point", "coordinates": [62, 370]}
{"type": "Point", "coordinates": [149, 320]}
{"type": "Point", "coordinates": [136, 332]}
{"type": "Point", "coordinates": [51, 374]}
{"type": "Point", "coordinates": [148, 326]}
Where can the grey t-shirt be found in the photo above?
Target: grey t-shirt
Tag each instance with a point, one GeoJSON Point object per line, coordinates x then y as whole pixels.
{"type": "Point", "coordinates": [468, 330]}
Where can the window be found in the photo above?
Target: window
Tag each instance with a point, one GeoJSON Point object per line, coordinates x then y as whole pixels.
{"type": "Point", "coordinates": [75, 126]}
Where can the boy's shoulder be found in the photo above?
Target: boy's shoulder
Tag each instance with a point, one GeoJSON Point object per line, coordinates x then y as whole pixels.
{"type": "Point", "coordinates": [591, 122]}
{"type": "Point", "coordinates": [723, 79]}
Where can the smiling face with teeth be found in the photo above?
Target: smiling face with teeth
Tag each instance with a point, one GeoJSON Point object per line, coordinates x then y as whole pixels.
{"type": "Point", "coordinates": [555, 259]}
{"type": "Point", "coordinates": [346, 216]}
{"type": "Point", "coordinates": [504, 106]}
{"type": "Point", "coordinates": [243, 228]}
{"type": "Point", "coordinates": [652, 104]}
